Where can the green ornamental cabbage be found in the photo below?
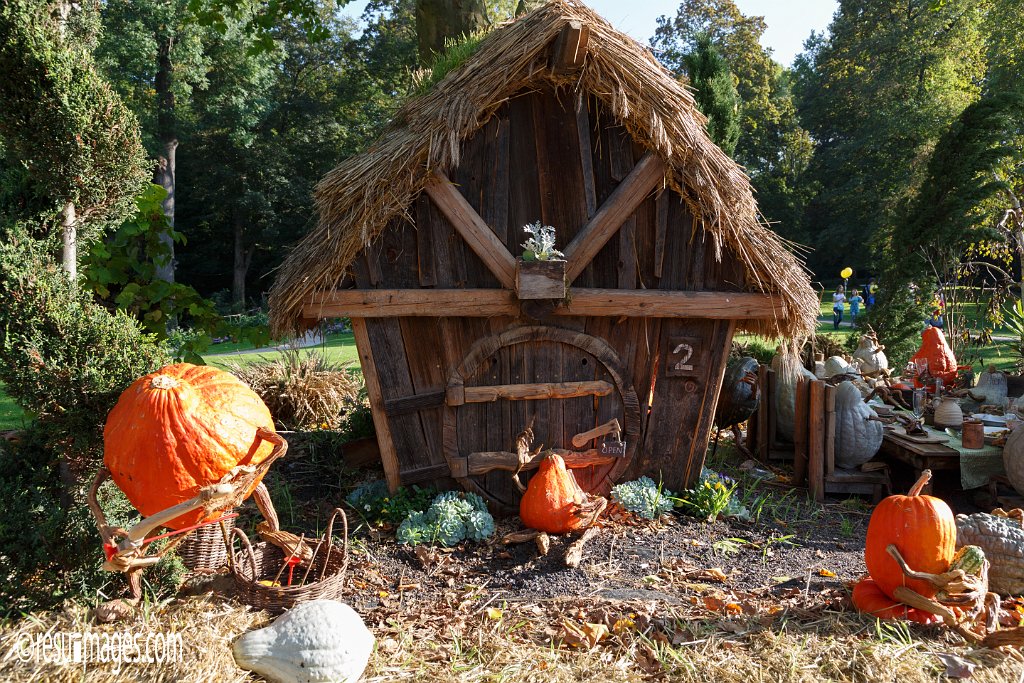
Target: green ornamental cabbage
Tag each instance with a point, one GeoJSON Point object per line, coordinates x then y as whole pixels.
{"type": "Point", "coordinates": [452, 517]}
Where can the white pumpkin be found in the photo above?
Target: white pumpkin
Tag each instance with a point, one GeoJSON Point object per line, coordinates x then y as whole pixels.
{"type": "Point", "coordinates": [837, 365]}
{"type": "Point", "coordinates": [319, 641]}
{"type": "Point", "coordinates": [857, 437]}
{"type": "Point", "coordinates": [991, 388]}
{"type": "Point", "coordinates": [1013, 459]}
{"type": "Point", "coordinates": [872, 358]}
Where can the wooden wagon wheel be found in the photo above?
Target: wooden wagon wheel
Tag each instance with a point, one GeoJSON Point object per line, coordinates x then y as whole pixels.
{"type": "Point", "coordinates": [465, 467]}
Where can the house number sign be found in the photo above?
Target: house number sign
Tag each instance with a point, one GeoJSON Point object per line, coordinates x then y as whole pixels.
{"type": "Point", "coordinates": [681, 359]}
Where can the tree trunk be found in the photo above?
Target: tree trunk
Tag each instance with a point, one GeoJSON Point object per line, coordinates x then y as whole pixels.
{"type": "Point", "coordinates": [243, 257]}
{"type": "Point", "coordinates": [167, 134]}
{"type": "Point", "coordinates": [69, 260]}
{"type": "Point", "coordinates": [437, 20]}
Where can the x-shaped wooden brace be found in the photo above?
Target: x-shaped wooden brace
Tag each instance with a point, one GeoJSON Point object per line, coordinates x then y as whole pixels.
{"type": "Point", "coordinates": [646, 176]}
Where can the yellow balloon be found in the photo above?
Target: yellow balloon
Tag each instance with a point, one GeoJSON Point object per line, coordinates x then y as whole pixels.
{"type": "Point", "coordinates": [846, 272]}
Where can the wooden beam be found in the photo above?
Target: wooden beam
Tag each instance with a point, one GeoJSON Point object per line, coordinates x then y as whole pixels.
{"type": "Point", "coordinates": [764, 407]}
{"type": "Point", "coordinates": [414, 403]}
{"type": "Point", "coordinates": [816, 441]}
{"type": "Point", "coordinates": [482, 463]}
{"type": "Point", "coordinates": [485, 303]}
{"type": "Point", "coordinates": [420, 474]}
{"type": "Point", "coordinates": [802, 395]}
{"type": "Point", "coordinates": [532, 392]}
{"type": "Point", "coordinates": [570, 48]}
{"type": "Point", "coordinates": [388, 454]}
{"type": "Point", "coordinates": [647, 175]}
{"type": "Point", "coordinates": [480, 238]}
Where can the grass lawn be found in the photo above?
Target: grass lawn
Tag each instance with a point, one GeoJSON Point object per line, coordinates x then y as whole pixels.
{"type": "Point", "coordinates": [11, 414]}
{"type": "Point", "coordinates": [338, 348]}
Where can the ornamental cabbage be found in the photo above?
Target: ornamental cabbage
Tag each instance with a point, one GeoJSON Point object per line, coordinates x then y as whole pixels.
{"type": "Point", "coordinates": [451, 518]}
{"type": "Point", "coordinates": [643, 497]}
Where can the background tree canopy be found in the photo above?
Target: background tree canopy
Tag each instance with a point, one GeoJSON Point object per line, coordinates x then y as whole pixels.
{"type": "Point", "coordinates": [881, 136]}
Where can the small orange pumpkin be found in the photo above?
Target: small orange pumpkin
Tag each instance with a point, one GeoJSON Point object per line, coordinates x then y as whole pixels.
{"type": "Point", "coordinates": [941, 361]}
{"type": "Point", "coordinates": [921, 527]}
{"type": "Point", "coordinates": [552, 498]}
{"type": "Point", "coordinates": [869, 598]}
{"type": "Point", "coordinates": [179, 429]}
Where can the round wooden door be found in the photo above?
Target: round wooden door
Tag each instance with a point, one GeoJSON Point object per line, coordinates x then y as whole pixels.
{"type": "Point", "coordinates": [563, 384]}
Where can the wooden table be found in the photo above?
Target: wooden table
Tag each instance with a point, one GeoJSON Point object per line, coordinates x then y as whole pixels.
{"type": "Point", "coordinates": [920, 456]}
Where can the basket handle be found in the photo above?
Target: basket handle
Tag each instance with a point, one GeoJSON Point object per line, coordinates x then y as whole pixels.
{"type": "Point", "coordinates": [248, 546]}
{"type": "Point", "coordinates": [330, 540]}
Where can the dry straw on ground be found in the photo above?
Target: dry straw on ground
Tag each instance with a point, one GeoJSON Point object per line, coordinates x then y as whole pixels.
{"type": "Point", "coordinates": [358, 199]}
{"type": "Point", "coordinates": [494, 641]}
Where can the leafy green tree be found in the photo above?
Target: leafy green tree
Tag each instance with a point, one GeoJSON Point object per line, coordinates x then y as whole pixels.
{"type": "Point", "coordinates": [772, 145]}
{"type": "Point", "coordinates": [153, 53]}
{"type": "Point", "coordinates": [886, 84]}
{"type": "Point", "coordinates": [122, 273]}
{"type": "Point", "coordinates": [71, 147]}
{"type": "Point", "coordinates": [276, 121]}
{"type": "Point", "coordinates": [716, 94]}
{"type": "Point", "coordinates": [438, 20]}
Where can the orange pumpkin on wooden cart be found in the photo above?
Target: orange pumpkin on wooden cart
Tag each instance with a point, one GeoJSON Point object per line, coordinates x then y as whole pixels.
{"type": "Point", "coordinates": [185, 444]}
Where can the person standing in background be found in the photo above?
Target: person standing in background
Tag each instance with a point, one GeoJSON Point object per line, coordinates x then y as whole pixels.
{"type": "Point", "coordinates": [872, 288]}
{"type": "Point", "coordinates": [855, 301]}
{"type": "Point", "coordinates": [838, 303]}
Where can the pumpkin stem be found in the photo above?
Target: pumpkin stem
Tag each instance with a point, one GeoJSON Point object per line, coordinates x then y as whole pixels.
{"type": "Point", "coordinates": [163, 382]}
{"type": "Point", "coordinates": [926, 477]}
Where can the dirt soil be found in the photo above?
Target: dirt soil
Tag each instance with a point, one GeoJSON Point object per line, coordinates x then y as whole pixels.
{"type": "Point", "coordinates": [625, 561]}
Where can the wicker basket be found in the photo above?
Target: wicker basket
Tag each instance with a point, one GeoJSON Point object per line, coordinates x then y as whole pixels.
{"type": "Point", "coordinates": [205, 550]}
{"type": "Point", "coordinates": [325, 579]}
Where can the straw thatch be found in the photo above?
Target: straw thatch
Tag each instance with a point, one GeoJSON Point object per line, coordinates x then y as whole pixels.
{"type": "Point", "coordinates": [358, 198]}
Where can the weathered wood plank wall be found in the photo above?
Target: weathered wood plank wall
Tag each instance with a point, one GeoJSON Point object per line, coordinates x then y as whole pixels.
{"type": "Point", "coordinates": [538, 158]}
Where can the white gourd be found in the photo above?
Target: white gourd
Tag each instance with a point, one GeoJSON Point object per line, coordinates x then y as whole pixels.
{"type": "Point", "coordinates": [872, 358]}
{"type": "Point", "coordinates": [857, 437]}
{"type": "Point", "coordinates": [319, 641]}
{"type": "Point", "coordinates": [837, 365]}
{"type": "Point", "coordinates": [788, 370]}
{"type": "Point", "coordinates": [991, 388]}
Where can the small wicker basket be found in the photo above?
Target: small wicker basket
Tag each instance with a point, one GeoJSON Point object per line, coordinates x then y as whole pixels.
{"type": "Point", "coordinates": [324, 578]}
{"type": "Point", "coordinates": [205, 550]}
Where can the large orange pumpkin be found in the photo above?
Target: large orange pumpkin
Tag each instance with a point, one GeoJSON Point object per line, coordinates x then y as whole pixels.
{"type": "Point", "coordinates": [552, 498]}
{"type": "Point", "coordinates": [924, 531]}
{"type": "Point", "coordinates": [941, 361]}
{"type": "Point", "coordinates": [179, 429]}
{"type": "Point", "coordinates": [869, 598]}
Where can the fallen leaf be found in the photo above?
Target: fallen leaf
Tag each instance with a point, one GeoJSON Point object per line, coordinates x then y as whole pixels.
{"type": "Point", "coordinates": [714, 604]}
{"type": "Point", "coordinates": [717, 574]}
{"type": "Point", "coordinates": [647, 660]}
{"type": "Point", "coordinates": [622, 625]}
{"type": "Point", "coordinates": [731, 627]}
{"type": "Point", "coordinates": [494, 613]}
{"type": "Point", "coordinates": [826, 572]}
{"type": "Point", "coordinates": [956, 667]}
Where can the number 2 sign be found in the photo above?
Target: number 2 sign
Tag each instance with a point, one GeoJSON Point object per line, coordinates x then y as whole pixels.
{"type": "Point", "coordinates": [681, 359]}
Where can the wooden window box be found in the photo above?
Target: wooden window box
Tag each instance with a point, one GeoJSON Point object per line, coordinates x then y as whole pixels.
{"type": "Point", "coordinates": [540, 279]}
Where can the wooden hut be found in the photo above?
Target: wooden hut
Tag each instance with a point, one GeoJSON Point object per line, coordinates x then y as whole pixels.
{"type": "Point", "coordinates": [556, 118]}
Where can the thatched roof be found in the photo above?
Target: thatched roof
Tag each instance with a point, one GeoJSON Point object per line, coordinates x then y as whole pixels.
{"type": "Point", "coordinates": [358, 198]}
